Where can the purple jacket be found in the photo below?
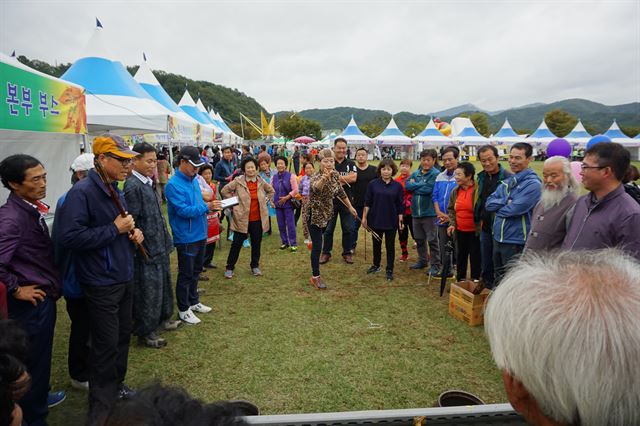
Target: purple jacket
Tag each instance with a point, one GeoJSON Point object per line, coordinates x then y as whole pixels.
{"type": "Point", "coordinates": [26, 249]}
{"type": "Point", "coordinates": [614, 221]}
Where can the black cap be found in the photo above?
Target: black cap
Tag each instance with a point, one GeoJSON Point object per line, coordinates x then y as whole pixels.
{"type": "Point", "coordinates": [192, 155]}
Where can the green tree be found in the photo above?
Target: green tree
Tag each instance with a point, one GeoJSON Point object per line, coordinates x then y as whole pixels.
{"type": "Point", "coordinates": [374, 127]}
{"type": "Point", "coordinates": [630, 131]}
{"type": "Point", "coordinates": [414, 128]}
{"type": "Point", "coordinates": [560, 122]}
{"type": "Point", "coordinates": [293, 126]}
{"type": "Point", "coordinates": [481, 123]}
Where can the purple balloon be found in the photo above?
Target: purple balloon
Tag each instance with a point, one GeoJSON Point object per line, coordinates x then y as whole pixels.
{"type": "Point", "coordinates": [598, 139]}
{"type": "Point", "coordinates": [559, 147]}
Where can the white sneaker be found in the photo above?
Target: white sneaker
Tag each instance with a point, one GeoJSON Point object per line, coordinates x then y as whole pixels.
{"type": "Point", "coordinates": [189, 317]}
{"type": "Point", "coordinates": [203, 309]}
{"type": "Point", "coordinates": [306, 242]}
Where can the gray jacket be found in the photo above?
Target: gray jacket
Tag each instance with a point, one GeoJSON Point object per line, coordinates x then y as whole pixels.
{"type": "Point", "coordinates": [548, 227]}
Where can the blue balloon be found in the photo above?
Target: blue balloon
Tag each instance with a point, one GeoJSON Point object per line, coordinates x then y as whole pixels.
{"type": "Point", "coordinates": [598, 139]}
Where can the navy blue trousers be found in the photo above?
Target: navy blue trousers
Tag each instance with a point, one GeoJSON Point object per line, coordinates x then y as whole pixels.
{"type": "Point", "coordinates": [190, 262]}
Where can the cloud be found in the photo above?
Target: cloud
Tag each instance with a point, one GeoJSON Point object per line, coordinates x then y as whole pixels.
{"type": "Point", "coordinates": [398, 56]}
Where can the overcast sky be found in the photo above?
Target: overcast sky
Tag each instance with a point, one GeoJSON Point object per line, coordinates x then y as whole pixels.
{"type": "Point", "coordinates": [418, 56]}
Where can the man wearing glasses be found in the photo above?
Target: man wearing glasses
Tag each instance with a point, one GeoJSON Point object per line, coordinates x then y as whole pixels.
{"type": "Point", "coordinates": [607, 216]}
{"type": "Point", "coordinates": [102, 245]}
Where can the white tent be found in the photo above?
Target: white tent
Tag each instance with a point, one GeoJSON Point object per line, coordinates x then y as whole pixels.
{"type": "Point", "coordinates": [205, 131]}
{"type": "Point", "coordinates": [53, 129]}
{"type": "Point", "coordinates": [392, 136]}
{"type": "Point", "coordinates": [431, 136]}
{"type": "Point", "coordinates": [353, 135]}
{"type": "Point", "coordinates": [506, 135]}
{"type": "Point", "coordinates": [115, 101]}
{"type": "Point", "coordinates": [470, 136]}
{"type": "Point", "coordinates": [579, 135]}
{"type": "Point", "coordinates": [615, 134]}
{"type": "Point", "coordinates": [542, 135]}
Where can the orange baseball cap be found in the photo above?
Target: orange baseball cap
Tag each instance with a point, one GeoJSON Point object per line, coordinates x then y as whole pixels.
{"type": "Point", "coordinates": [112, 144]}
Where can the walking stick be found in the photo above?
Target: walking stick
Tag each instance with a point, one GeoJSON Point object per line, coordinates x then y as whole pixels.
{"type": "Point", "coordinates": [116, 200]}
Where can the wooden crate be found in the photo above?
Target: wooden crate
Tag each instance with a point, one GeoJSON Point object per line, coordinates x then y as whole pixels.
{"type": "Point", "coordinates": [466, 306]}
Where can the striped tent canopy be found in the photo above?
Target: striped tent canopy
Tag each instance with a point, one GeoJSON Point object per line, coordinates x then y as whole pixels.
{"type": "Point", "coordinates": [353, 135]}
{"type": "Point", "coordinates": [432, 136]}
{"type": "Point", "coordinates": [392, 136]}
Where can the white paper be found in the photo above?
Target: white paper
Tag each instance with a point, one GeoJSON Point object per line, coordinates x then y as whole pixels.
{"type": "Point", "coordinates": [229, 202]}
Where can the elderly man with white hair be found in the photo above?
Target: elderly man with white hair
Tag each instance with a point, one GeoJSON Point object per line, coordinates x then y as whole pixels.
{"type": "Point", "coordinates": [564, 330]}
{"type": "Point", "coordinates": [552, 214]}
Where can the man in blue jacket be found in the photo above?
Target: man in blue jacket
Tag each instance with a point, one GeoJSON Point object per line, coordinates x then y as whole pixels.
{"type": "Point", "coordinates": [421, 184]}
{"type": "Point", "coordinates": [445, 182]}
{"type": "Point", "coordinates": [101, 241]}
{"type": "Point", "coordinates": [512, 203]}
{"type": "Point", "coordinates": [188, 219]}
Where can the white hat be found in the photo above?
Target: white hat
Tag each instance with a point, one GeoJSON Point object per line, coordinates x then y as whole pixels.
{"type": "Point", "coordinates": [83, 162]}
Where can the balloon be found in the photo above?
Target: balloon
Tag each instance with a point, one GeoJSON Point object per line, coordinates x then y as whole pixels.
{"type": "Point", "coordinates": [559, 147]}
{"type": "Point", "coordinates": [576, 168]}
{"type": "Point", "coordinates": [598, 139]}
{"type": "Point", "coordinates": [444, 127]}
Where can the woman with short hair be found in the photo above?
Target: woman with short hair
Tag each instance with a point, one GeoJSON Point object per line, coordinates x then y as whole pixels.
{"type": "Point", "coordinates": [285, 186]}
{"type": "Point", "coordinates": [324, 187]}
{"type": "Point", "coordinates": [250, 215]}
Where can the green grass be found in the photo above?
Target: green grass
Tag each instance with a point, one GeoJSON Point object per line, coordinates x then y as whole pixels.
{"type": "Point", "coordinates": [289, 348]}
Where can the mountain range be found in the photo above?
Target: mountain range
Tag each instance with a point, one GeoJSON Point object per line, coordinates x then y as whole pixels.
{"type": "Point", "coordinates": [595, 116]}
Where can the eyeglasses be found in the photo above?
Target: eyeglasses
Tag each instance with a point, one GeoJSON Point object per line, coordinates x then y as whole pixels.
{"type": "Point", "coordinates": [585, 167]}
{"type": "Point", "coordinates": [123, 161]}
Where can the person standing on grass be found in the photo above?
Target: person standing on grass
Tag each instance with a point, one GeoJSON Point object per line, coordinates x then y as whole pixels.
{"type": "Point", "coordinates": [101, 240]}
{"type": "Point", "coordinates": [152, 291]}
{"type": "Point", "coordinates": [303, 186]}
{"type": "Point", "coordinates": [489, 178]}
{"type": "Point", "coordinates": [267, 173]}
{"type": "Point", "coordinates": [403, 233]}
{"type": "Point", "coordinates": [286, 187]}
{"type": "Point", "coordinates": [325, 189]}
{"type": "Point", "coordinates": [512, 204]}
{"type": "Point", "coordinates": [187, 213]}
{"type": "Point", "coordinates": [384, 214]}
{"type": "Point", "coordinates": [445, 182]}
{"type": "Point", "coordinates": [421, 184]}
{"type": "Point", "coordinates": [365, 173]}
{"type": "Point", "coordinates": [213, 218]}
{"type": "Point", "coordinates": [28, 271]}
{"type": "Point", "coordinates": [348, 175]}
{"type": "Point", "coordinates": [250, 216]}
{"type": "Point", "coordinates": [164, 170]}
{"type": "Point", "coordinates": [462, 225]}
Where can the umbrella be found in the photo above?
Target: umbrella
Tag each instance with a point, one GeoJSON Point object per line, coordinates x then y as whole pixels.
{"type": "Point", "coordinates": [446, 264]}
{"type": "Point", "coordinates": [304, 139]}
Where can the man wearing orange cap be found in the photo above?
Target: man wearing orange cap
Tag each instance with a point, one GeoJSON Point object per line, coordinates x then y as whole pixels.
{"type": "Point", "coordinates": [102, 244]}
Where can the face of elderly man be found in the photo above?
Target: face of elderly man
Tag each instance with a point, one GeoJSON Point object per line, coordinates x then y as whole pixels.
{"type": "Point", "coordinates": [553, 176]}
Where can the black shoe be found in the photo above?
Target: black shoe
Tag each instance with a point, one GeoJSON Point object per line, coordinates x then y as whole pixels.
{"type": "Point", "coordinates": [210, 266]}
{"type": "Point", "coordinates": [125, 392]}
{"type": "Point", "coordinates": [373, 269]}
{"type": "Point", "coordinates": [152, 340]}
{"type": "Point", "coordinates": [389, 275]}
{"type": "Point", "coordinates": [418, 265]}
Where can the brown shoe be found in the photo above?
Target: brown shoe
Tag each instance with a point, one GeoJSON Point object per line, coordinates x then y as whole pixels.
{"type": "Point", "coordinates": [324, 258]}
{"type": "Point", "coordinates": [318, 283]}
{"type": "Point", "coordinates": [348, 258]}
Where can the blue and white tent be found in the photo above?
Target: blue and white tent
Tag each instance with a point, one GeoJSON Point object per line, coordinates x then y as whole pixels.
{"type": "Point", "coordinates": [542, 135]}
{"type": "Point", "coordinates": [615, 134]}
{"type": "Point", "coordinates": [431, 136]}
{"type": "Point", "coordinates": [188, 105]}
{"type": "Point", "coordinates": [392, 136]}
{"type": "Point", "coordinates": [216, 126]}
{"type": "Point", "coordinates": [353, 135]}
{"type": "Point", "coordinates": [578, 135]}
{"type": "Point", "coordinates": [183, 128]}
{"type": "Point", "coordinates": [506, 135]}
{"type": "Point", "coordinates": [115, 101]}
{"type": "Point", "coordinates": [470, 136]}
{"type": "Point", "coordinates": [218, 119]}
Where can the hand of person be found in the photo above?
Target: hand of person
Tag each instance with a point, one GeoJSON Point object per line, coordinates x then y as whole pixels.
{"type": "Point", "coordinates": [400, 224]}
{"type": "Point", "coordinates": [29, 293]}
{"type": "Point", "coordinates": [450, 230]}
{"type": "Point", "coordinates": [444, 218]}
{"type": "Point", "coordinates": [124, 224]}
{"type": "Point", "coordinates": [283, 200]}
{"type": "Point", "coordinates": [137, 236]}
{"type": "Point", "coordinates": [215, 205]}
{"type": "Point", "coordinates": [363, 222]}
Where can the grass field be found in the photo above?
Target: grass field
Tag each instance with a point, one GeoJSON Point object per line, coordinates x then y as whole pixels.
{"type": "Point", "coordinates": [289, 348]}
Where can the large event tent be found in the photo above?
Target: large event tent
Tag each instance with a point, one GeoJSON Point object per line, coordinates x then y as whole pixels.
{"type": "Point", "coordinates": [542, 135]}
{"type": "Point", "coordinates": [232, 136]}
{"type": "Point", "coordinates": [50, 126]}
{"type": "Point", "coordinates": [615, 134]}
{"type": "Point", "coordinates": [353, 135]}
{"type": "Point", "coordinates": [216, 126]}
{"type": "Point", "coordinates": [182, 128]}
{"type": "Point", "coordinates": [431, 136]}
{"type": "Point", "coordinates": [470, 136]}
{"type": "Point", "coordinates": [506, 135]}
{"type": "Point", "coordinates": [206, 129]}
{"type": "Point", "coordinates": [392, 136]}
{"type": "Point", "coordinates": [579, 135]}
{"type": "Point", "coordinates": [115, 101]}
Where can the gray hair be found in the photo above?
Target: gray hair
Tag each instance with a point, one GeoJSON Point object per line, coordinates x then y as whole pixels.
{"type": "Point", "coordinates": [325, 153]}
{"type": "Point", "coordinates": [566, 325]}
{"type": "Point", "coordinates": [572, 183]}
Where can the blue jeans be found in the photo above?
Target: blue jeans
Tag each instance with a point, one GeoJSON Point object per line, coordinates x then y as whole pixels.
{"type": "Point", "coordinates": [503, 253]}
{"type": "Point", "coordinates": [346, 223]}
{"type": "Point", "coordinates": [356, 226]}
{"type": "Point", "coordinates": [486, 254]}
{"type": "Point", "coordinates": [190, 258]}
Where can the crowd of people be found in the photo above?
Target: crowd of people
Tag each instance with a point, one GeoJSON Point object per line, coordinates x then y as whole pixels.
{"type": "Point", "coordinates": [109, 249]}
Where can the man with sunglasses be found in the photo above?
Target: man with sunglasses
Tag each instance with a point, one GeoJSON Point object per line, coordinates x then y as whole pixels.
{"type": "Point", "coordinates": [607, 216]}
{"type": "Point", "coordinates": [102, 247]}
